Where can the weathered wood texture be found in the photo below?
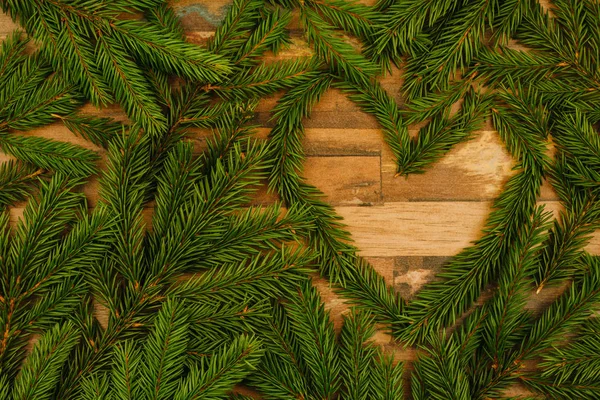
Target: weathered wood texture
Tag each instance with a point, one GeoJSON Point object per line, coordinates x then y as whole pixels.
{"type": "Point", "coordinates": [407, 227]}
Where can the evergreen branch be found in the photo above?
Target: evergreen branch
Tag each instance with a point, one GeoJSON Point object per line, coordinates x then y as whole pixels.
{"type": "Point", "coordinates": [123, 189]}
{"type": "Point", "coordinates": [552, 35]}
{"type": "Point", "coordinates": [270, 34]}
{"type": "Point", "coordinates": [41, 371]}
{"type": "Point", "coordinates": [267, 79]}
{"type": "Point", "coordinates": [570, 310]}
{"type": "Point", "coordinates": [334, 51]}
{"type": "Point", "coordinates": [180, 169]}
{"type": "Point", "coordinates": [509, 65]}
{"type": "Point", "coordinates": [95, 387]}
{"type": "Point", "coordinates": [130, 87]}
{"type": "Point", "coordinates": [221, 192]}
{"type": "Point", "coordinates": [283, 374]}
{"type": "Point", "coordinates": [17, 180]}
{"type": "Point", "coordinates": [387, 378]}
{"type": "Point", "coordinates": [504, 320]}
{"type": "Point", "coordinates": [401, 31]}
{"type": "Point", "coordinates": [164, 16]}
{"type": "Point", "coordinates": [98, 130]}
{"type": "Point", "coordinates": [233, 32]}
{"type": "Point", "coordinates": [48, 154]}
{"type": "Point", "coordinates": [455, 46]}
{"type": "Point", "coordinates": [442, 133]}
{"type": "Point", "coordinates": [507, 19]}
{"type": "Point", "coordinates": [349, 16]}
{"type": "Point", "coordinates": [44, 220]}
{"type": "Point", "coordinates": [251, 233]}
{"type": "Point", "coordinates": [165, 351]}
{"type": "Point", "coordinates": [29, 108]}
{"type": "Point", "coordinates": [375, 100]}
{"type": "Point", "coordinates": [337, 259]}
{"type": "Point", "coordinates": [440, 374]}
{"type": "Point", "coordinates": [440, 304]}
{"type": "Point", "coordinates": [272, 275]}
{"type": "Point", "coordinates": [213, 327]}
{"type": "Point", "coordinates": [285, 139]}
{"type": "Point", "coordinates": [26, 76]}
{"type": "Point", "coordinates": [564, 390]}
{"type": "Point", "coordinates": [161, 50]}
{"type": "Point", "coordinates": [573, 307]}
{"type": "Point", "coordinates": [316, 339]}
{"type": "Point", "coordinates": [11, 54]}
{"type": "Point", "coordinates": [356, 355]}
{"type": "Point", "coordinates": [523, 127]}
{"type": "Point", "coordinates": [230, 130]}
{"type": "Point", "coordinates": [575, 135]}
{"type": "Point", "coordinates": [226, 368]}
{"type": "Point", "coordinates": [567, 240]}
{"type": "Point", "coordinates": [578, 362]}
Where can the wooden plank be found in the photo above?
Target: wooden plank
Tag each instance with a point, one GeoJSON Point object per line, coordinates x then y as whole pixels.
{"type": "Point", "coordinates": [346, 180]}
{"type": "Point", "coordinates": [434, 228]}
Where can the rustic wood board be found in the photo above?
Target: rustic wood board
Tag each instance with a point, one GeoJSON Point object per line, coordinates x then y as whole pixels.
{"type": "Point", "coordinates": [406, 227]}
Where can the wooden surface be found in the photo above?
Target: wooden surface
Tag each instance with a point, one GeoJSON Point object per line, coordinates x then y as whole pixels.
{"type": "Point", "coordinates": [407, 227]}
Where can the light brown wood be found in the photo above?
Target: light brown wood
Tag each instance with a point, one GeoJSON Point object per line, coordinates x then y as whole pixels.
{"type": "Point", "coordinates": [406, 227]}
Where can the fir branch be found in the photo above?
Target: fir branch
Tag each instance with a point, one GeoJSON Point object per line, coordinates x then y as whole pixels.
{"type": "Point", "coordinates": [438, 103]}
{"type": "Point", "coordinates": [401, 30]}
{"type": "Point", "coordinates": [440, 374]}
{"type": "Point", "coordinates": [267, 79]}
{"type": "Point", "coordinates": [578, 362]}
{"type": "Point", "coordinates": [17, 180]}
{"type": "Point", "coordinates": [387, 378]}
{"type": "Point", "coordinates": [509, 65]}
{"type": "Point", "coordinates": [566, 241]}
{"type": "Point", "coordinates": [12, 54]}
{"type": "Point", "coordinates": [270, 34]}
{"type": "Point", "coordinates": [225, 369]}
{"type": "Point", "coordinates": [273, 275]}
{"type": "Point", "coordinates": [442, 133]}
{"type": "Point", "coordinates": [41, 371]}
{"type": "Point", "coordinates": [283, 373]}
{"type": "Point", "coordinates": [93, 48]}
{"type": "Point", "coordinates": [504, 319]}
{"type": "Point", "coordinates": [440, 304]}
{"type": "Point", "coordinates": [349, 16]}
{"type": "Point", "coordinates": [356, 355]}
{"type": "Point", "coordinates": [333, 50]}
{"type": "Point", "coordinates": [570, 310]}
{"type": "Point", "coordinates": [375, 100]}
{"type": "Point", "coordinates": [130, 87]}
{"type": "Point", "coordinates": [576, 136]}
{"type": "Point", "coordinates": [159, 49]}
{"type": "Point", "coordinates": [98, 130]}
{"type": "Point", "coordinates": [458, 42]}
{"type": "Point", "coordinates": [163, 15]}
{"type": "Point", "coordinates": [27, 107]}
{"type": "Point", "coordinates": [123, 189]}
{"type": "Point", "coordinates": [523, 126]}
{"type": "Point", "coordinates": [316, 340]}
{"type": "Point", "coordinates": [337, 259]}
{"type": "Point", "coordinates": [218, 194]}
{"type": "Point", "coordinates": [48, 154]}
{"type": "Point", "coordinates": [564, 390]}
{"type": "Point", "coordinates": [165, 351]}
{"type": "Point", "coordinates": [96, 387]}
{"type": "Point", "coordinates": [507, 18]}
{"type": "Point", "coordinates": [213, 328]}
{"type": "Point", "coordinates": [233, 32]}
